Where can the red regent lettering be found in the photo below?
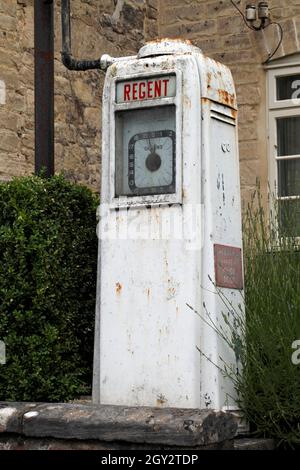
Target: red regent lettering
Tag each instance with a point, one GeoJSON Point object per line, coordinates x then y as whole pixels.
{"type": "Point", "coordinates": [166, 86]}
{"type": "Point", "coordinates": [134, 91]}
{"type": "Point", "coordinates": [142, 90]}
{"type": "Point", "coordinates": [150, 90]}
{"type": "Point", "coordinates": [157, 89]}
{"type": "Point", "coordinates": [127, 92]}
{"type": "Point", "coordinates": [146, 90]}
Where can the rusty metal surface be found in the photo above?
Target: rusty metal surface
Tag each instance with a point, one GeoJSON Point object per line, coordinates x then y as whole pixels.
{"type": "Point", "coordinates": [217, 83]}
{"type": "Point", "coordinates": [146, 283]}
{"type": "Point", "coordinates": [216, 79]}
{"type": "Point", "coordinates": [44, 86]}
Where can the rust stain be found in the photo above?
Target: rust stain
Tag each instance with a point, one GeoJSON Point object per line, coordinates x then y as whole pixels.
{"type": "Point", "coordinates": [118, 288]}
{"type": "Point", "coordinates": [187, 102]}
{"type": "Point", "coordinates": [234, 113]}
{"type": "Point", "coordinates": [46, 56]}
{"type": "Point", "coordinates": [226, 98]}
{"type": "Point", "coordinates": [228, 101]}
{"type": "Point", "coordinates": [148, 293]}
{"type": "Point", "coordinates": [172, 289]}
{"type": "Point", "coordinates": [208, 79]}
{"type": "Point", "coordinates": [161, 400]}
{"type": "Point", "coordinates": [171, 292]}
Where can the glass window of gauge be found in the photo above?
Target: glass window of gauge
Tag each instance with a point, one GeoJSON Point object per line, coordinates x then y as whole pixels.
{"type": "Point", "coordinates": [145, 151]}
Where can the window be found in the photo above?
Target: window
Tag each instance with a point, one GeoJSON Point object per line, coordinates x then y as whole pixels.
{"type": "Point", "coordinates": [284, 143]}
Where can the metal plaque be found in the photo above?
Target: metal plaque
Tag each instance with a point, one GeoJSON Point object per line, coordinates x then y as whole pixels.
{"type": "Point", "coordinates": [228, 267]}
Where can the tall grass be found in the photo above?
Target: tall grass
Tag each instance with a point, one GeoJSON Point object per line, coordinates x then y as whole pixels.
{"type": "Point", "coordinates": [269, 387]}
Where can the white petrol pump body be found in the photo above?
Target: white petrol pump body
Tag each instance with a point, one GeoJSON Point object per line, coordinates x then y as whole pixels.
{"type": "Point", "coordinates": [170, 244]}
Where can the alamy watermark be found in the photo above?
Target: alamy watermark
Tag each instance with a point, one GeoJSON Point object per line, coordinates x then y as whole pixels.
{"type": "Point", "coordinates": [296, 94]}
{"type": "Point", "coordinates": [178, 223]}
{"type": "Point", "coordinates": [2, 353]}
{"type": "Point", "coordinates": [296, 354]}
{"type": "Point", "coordinates": [2, 92]}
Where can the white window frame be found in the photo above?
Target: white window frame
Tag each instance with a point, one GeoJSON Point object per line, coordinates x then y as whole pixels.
{"type": "Point", "coordinates": [278, 109]}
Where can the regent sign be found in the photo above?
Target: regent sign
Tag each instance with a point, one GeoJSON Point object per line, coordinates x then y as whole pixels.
{"type": "Point", "coordinates": [146, 89]}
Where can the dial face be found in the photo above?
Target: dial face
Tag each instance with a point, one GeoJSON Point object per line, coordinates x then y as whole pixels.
{"type": "Point", "coordinates": [151, 162]}
{"type": "Point", "coordinates": [145, 151]}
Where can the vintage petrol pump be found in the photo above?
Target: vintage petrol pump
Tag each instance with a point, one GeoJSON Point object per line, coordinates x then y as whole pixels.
{"type": "Point", "coordinates": [170, 275]}
{"type": "Point", "coordinates": [170, 244]}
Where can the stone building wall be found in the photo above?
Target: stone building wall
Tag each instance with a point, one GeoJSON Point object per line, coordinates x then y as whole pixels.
{"type": "Point", "coordinates": [16, 110]}
{"type": "Point", "coordinates": [117, 27]}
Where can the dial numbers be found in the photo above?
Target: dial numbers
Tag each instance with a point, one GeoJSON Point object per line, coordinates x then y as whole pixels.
{"type": "Point", "coordinates": [151, 162]}
{"type": "Point", "coordinates": [145, 151]}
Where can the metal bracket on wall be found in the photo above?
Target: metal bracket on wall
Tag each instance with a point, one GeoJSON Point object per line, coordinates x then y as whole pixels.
{"type": "Point", "coordinates": [261, 13]}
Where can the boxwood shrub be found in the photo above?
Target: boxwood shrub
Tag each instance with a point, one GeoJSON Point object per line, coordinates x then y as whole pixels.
{"type": "Point", "coordinates": [48, 253]}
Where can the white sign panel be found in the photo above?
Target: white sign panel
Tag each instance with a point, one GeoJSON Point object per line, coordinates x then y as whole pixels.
{"type": "Point", "coordinates": [146, 89]}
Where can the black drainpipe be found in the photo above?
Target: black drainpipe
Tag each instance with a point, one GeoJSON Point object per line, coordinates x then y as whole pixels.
{"type": "Point", "coordinates": [70, 62]}
{"type": "Point", "coordinates": [44, 77]}
{"type": "Point", "coordinates": [44, 86]}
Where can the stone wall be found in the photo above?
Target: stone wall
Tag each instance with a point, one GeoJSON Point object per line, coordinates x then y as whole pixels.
{"type": "Point", "coordinates": [219, 30]}
{"type": "Point", "coordinates": [16, 71]}
{"type": "Point", "coordinates": [117, 27]}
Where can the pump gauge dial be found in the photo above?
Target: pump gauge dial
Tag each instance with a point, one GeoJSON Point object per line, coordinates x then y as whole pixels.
{"type": "Point", "coordinates": [151, 162]}
{"type": "Point", "coordinates": [146, 151]}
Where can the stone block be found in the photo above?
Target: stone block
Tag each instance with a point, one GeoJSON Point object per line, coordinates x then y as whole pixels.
{"type": "Point", "coordinates": [189, 428]}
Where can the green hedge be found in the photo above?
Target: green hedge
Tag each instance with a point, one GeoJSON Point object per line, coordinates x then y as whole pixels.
{"type": "Point", "coordinates": [270, 386]}
{"type": "Point", "coordinates": [48, 256]}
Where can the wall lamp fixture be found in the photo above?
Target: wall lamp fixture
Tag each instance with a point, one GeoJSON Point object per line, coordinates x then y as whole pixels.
{"type": "Point", "coordinates": [258, 18]}
{"type": "Point", "coordinates": [260, 12]}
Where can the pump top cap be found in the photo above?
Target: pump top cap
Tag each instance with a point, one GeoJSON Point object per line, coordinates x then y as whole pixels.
{"type": "Point", "coordinates": [167, 47]}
